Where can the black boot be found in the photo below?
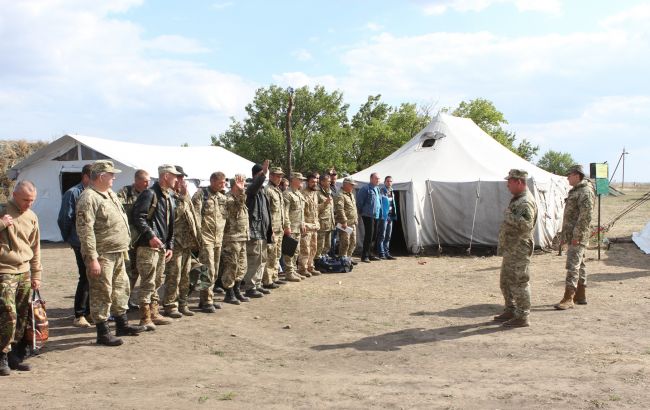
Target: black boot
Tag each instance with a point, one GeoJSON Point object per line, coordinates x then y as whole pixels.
{"type": "Point", "coordinates": [230, 297]}
{"type": "Point", "coordinates": [15, 360]}
{"type": "Point", "coordinates": [238, 294]}
{"type": "Point", "coordinates": [4, 365]}
{"type": "Point", "coordinates": [104, 336]}
{"type": "Point", "coordinates": [253, 293]}
{"type": "Point", "coordinates": [218, 287]}
{"type": "Point", "coordinates": [123, 328]}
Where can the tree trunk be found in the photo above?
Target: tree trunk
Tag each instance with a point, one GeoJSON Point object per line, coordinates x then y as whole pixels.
{"type": "Point", "coordinates": [288, 132]}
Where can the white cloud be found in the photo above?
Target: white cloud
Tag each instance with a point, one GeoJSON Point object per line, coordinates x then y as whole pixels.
{"type": "Point", "coordinates": [302, 55]}
{"type": "Point", "coordinates": [222, 5]}
{"type": "Point", "coordinates": [438, 7]}
{"type": "Point", "coordinates": [299, 79]}
{"type": "Point", "coordinates": [373, 26]}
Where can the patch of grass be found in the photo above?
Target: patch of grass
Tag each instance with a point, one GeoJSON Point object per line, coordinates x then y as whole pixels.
{"type": "Point", "coordinates": [614, 397]}
{"type": "Point", "coordinates": [597, 403]}
{"type": "Point", "coordinates": [228, 396]}
{"type": "Point", "coordinates": [203, 399]}
{"type": "Point", "coordinates": [217, 353]}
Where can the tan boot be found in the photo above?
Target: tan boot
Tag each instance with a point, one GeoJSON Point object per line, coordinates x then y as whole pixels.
{"type": "Point", "coordinates": [314, 272]}
{"type": "Point", "coordinates": [517, 322]}
{"type": "Point", "coordinates": [156, 318]}
{"type": "Point", "coordinates": [145, 317]}
{"type": "Point", "coordinates": [292, 278]}
{"type": "Point", "coordinates": [306, 274]}
{"type": "Point", "coordinates": [567, 299]}
{"type": "Point", "coordinates": [505, 316]}
{"type": "Point", "coordinates": [581, 296]}
{"type": "Point", "coordinates": [185, 311]}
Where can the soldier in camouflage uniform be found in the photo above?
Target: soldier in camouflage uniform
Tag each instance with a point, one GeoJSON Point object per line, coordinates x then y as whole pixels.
{"type": "Point", "coordinates": [309, 239]}
{"type": "Point", "coordinates": [210, 206]}
{"type": "Point", "coordinates": [128, 195]}
{"type": "Point", "coordinates": [186, 240]}
{"type": "Point", "coordinates": [294, 204]}
{"type": "Point", "coordinates": [20, 269]}
{"type": "Point", "coordinates": [280, 226]}
{"type": "Point", "coordinates": [345, 212]}
{"type": "Point", "coordinates": [235, 236]}
{"type": "Point", "coordinates": [103, 230]}
{"type": "Point", "coordinates": [516, 245]}
{"type": "Point", "coordinates": [325, 216]}
{"type": "Point", "coordinates": [575, 232]}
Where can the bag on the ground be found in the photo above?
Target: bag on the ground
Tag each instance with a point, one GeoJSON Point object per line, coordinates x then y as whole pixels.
{"type": "Point", "coordinates": [38, 330]}
{"type": "Point", "coordinates": [338, 264]}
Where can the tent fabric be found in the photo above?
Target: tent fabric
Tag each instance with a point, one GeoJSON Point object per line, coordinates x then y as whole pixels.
{"type": "Point", "coordinates": [462, 165]}
{"type": "Point", "coordinates": [642, 239]}
{"type": "Point", "coordinates": [46, 172]}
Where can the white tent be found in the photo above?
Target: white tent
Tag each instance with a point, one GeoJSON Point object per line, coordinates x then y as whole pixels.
{"type": "Point", "coordinates": [57, 166]}
{"type": "Point", "coordinates": [450, 182]}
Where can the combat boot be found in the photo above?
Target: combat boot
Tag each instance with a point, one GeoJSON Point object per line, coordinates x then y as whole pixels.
{"type": "Point", "coordinates": [230, 297]}
{"type": "Point", "coordinates": [517, 322]}
{"type": "Point", "coordinates": [292, 278]}
{"type": "Point", "coordinates": [185, 311]}
{"type": "Point", "coordinates": [173, 313]}
{"type": "Point", "coordinates": [580, 297]}
{"type": "Point", "coordinates": [4, 365]}
{"type": "Point", "coordinates": [505, 316]}
{"type": "Point", "coordinates": [104, 336]}
{"type": "Point", "coordinates": [238, 294]}
{"type": "Point", "coordinates": [314, 272]}
{"type": "Point", "coordinates": [304, 275]}
{"type": "Point", "coordinates": [145, 317]}
{"type": "Point", "coordinates": [263, 290]}
{"type": "Point", "coordinates": [123, 328]}
{"type": "Point", "coordinates": [15, 361]}
{"type": "Point", "coordinates": [156, 318]}
{"type": "Point", "coordinates": [567, 300]}
{"type": "Point", "coordinates": [253, 293]}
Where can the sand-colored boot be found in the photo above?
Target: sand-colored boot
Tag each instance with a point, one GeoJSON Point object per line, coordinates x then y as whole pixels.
{"type": "Point", "coordinates": [567, 299]}
{"type": "Point", "coordinates": [521, 321]}
{"type": "Point", "coordinates": [508, 313]}
{"type": "Point", "coordinates": [156, 317]}
{"type": "Point", "coordinates": [580, 297]}
{"type": "Point", "coordinates": [145, 317]}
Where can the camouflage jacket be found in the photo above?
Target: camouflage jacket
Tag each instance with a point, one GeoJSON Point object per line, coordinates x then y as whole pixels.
{"type": "Point", "coordinates": [345, 208]}
{"type": "Point", "coordinates": [102, 225]}
{"type": "Point", "coordinates": [311, 209]}
{"type": "Point", "coordinates": [236, 228]}
{"type": "Point", "coordinates": [210, 208]}
{"type": "Point", "coordinates": [516, 233]}
{"type": "Point", "coordinates": [294, 205]}
{"type": "Point", "coordinates": [325, 209]}
{"type": "Point", "coordinates": [577, 213]}
{"type": "Point", "coordinates": [187, 227]}
{"type": "Point", "coordinates": [279, 218]}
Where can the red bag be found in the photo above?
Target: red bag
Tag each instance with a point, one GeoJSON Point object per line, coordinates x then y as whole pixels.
{"type": "Point", "coordinates": [38, 330]}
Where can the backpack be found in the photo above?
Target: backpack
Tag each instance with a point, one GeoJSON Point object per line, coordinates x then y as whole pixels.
{"type": "Point", "coordinates": [337, 264]}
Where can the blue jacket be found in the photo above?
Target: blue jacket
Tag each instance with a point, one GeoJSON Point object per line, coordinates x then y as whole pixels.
{"type": "Point", "coordinates": [386, 203]}
{"type": "Point", "coordinates": [369, 202]}
{"type": "Point", "coordinates": [66, 219]}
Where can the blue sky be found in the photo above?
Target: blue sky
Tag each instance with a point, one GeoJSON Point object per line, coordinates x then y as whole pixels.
{"type": "Point", "coordinates": [568, 75]}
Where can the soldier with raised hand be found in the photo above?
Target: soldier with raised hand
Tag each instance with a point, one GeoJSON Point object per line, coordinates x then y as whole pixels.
{"type": "Point", "coordinates": [103, 230]}
{"type": "Point", "coordinates": [280, 226]}
{"type": "Point", "coordinates": [516, 245]}
{"type": "Point", "coordinates": [210, 207]}
{"type": "Point", "coordinates": [575, 232]}
{"type": "Point", "coordinates": [186, 239]}
{"type": "Point", "coordinates": [325, 200]}
{"type": "Point", "coordinates": [235, 236]}
{"type": "Point", "coordinates": [345, 212]}
{"type": "Point", "coordinates": [294, 204]}
{"type": "Point", "coordinates": [309, 238]}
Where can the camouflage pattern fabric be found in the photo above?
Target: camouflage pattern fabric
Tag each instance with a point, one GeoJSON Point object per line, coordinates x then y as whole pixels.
{"type": "Point", "coordinates": [273, 255]}
{"type": "Point", "coordinates": [575, 265]}
{"type": "Point", "coordinates": [277, 208]}
{"type": "Point", "coordinates": [345, 208]}
{"type": "Point", "coordinates": [109, 292]}
{"type": "Point", "coordinates": [233, 258]}
{"type": "Point", "coordinates": [308, 246]}
{"type": "Point", "coordinates": [291, 262]}
{"type": "Point", "coordinates": [294, 205]}
{"type": "Point", "coordinates": [151, 265]}
{"type": "Point", "coordinates": [577, 213]}
{"type": "Point", "coordinates": [236, 228]}
{"type": "Point", "coordinates": [210, 208]}
{"type": "Point", "coordinates": [311, 210]}
{"type": "Point", "coordinates": [187, 227]}
{"type": "Point", "coordinates": [14, 308]}
{"type": "Point", "coordinates": [325, 210]}
{"type": "Point", "coordinates": [347, 241]}
{"type": "Point", "coordinates": [211, 257]}
{"type": "Point", "coordinates": [177, 278]}
{"type": "Point", "coordinates": [324, 242]}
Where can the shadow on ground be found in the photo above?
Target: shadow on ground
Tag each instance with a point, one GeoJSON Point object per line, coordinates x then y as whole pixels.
{"type": "Point", "coordinates": [480, 310]}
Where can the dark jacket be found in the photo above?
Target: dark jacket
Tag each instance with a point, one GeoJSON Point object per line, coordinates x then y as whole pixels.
{"type": "Point", "coordinates": [259, 211]}
{"type": "Point", "coordinates": [156, 225]}
{"type": "Point", "coordinates": [66, 219]}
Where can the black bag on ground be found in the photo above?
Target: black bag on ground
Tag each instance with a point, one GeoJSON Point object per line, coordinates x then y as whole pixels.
{"type": "Point", "coordinates": [338, 264]}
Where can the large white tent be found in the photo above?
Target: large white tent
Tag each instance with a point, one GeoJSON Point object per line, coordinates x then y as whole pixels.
{"type": "Point", "coordinates": [57, 166]}
{"type": "Point", "coordinates": [450, 182]}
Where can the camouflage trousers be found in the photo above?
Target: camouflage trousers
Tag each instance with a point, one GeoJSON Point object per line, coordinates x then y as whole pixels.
{"type": "Point", "coordinates": [177, 279]}
{"type": "Point", "coordinates": [256, 263]}
{"type": "Point", "coordinates": [347, 241]}
{"type": "Point", "coordinates": [233, 258]}
{"type": "Point", "coordinates": [308, 246]}
{"type": "Point", "coordinates": [324, 242]}
{"type": "Point", "coordinates": [575, 265]}
{"type": "Point", "coordinates": [210, 256]}
{"type": "Point", "coordinates": [109, 292]}
{"type": "Point", "coordinates": [14, 308]}
{"type": "Point", "coordinates": [151, 266]}
{"type": "Point", "coordinates": [515, 285]}
{"type": "Point", "coordinates": [273, 255]}
{"type": "Point", "coordinates": [290, 262]}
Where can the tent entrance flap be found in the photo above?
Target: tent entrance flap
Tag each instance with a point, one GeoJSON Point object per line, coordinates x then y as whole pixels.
{"type": "Point", "coordinates": [398, 239]}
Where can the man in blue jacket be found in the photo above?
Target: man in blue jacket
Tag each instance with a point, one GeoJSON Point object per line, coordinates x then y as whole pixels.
{"type": "Point", "coordinates": [68, 228]}
{"type": "Point", "coordinates": [369, 206]}
{"type": "Point", "coordinates": [388, 215]}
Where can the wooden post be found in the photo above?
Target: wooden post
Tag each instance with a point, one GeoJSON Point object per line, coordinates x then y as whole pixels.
{"type": "Point", "coordinates": [288, 133]}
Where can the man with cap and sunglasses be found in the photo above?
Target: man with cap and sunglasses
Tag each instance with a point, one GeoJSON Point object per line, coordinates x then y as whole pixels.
{"type": "Point", "coordinates": [575, 232]}
{"type": "Point", "coordinates": [294, 203]}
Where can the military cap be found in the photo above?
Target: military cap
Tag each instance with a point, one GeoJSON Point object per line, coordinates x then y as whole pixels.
{"type": "Point", "coordinates": [104, 166]}
{"type": "Point", "coordinates": [167, 168]}
{"type": "Point", "coordinates": [180, 169]}
{"type": "Point", "coordinates": [575, 169]}
{"type": "Point", "coordinates": [349, 181]}
{"type": "Point", "coordinates": [277, 171]}
{"type": "Point", "coordinates": [297, 175]}
{"type": "Point", "coordinates": [517, 174]}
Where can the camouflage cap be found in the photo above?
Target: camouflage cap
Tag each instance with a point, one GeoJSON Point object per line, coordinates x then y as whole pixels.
{"type": "Point", "coordinates": [517, 174]}
{"type": "Point", "coordinates": [167, 168]}
{"type": "Point", "coordinates": [104, 166]}
{"type": "Point", "coordinates": [277, 171]}
{"type": "Point", "coordinates": [180, 169]}
{"type": "Point", "coordinates": [297, 175]}
{"type": "Point", "coordinates": [576, 169]}
{"type": "Point", "coordinates": [349, 181]}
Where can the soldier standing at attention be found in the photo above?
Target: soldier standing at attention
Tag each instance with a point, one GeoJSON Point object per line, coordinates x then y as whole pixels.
{"type": "Point", "coordinates": [103, 230]}
{"type": "Point", "coordinates": [309, 238]}
{"type": "Point", "coordinates": [210, 207]}
{"type": "Point", "coordinates": [516, 245]}
{"type": "Point", "coordinates": [153, 216]}
{"type": "Point", "coordinates": [186, 239]}
{"type": "Point", "coordinates": [575, 233]}
{"type": "Point", "coordinates": [128, 195]}
{"type": "Point", "coordinates": [280, 226]}
{"type": "Point", "coordinates": [20, 269]}
{"type": "Point", "coordinates": [325, 216]}
{"type": "Point", "coordinates": [294, 204]}
{"type": "Point", "coordinates": [345, 205]}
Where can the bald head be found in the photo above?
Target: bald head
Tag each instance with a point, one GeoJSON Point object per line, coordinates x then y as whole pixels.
{"type": "Point", "coordinates": [24, 195]}
{"type": "Point", "coordinates": [25, 186]}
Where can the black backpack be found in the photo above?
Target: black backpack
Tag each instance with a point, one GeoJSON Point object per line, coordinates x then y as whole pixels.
{"type": "Point", "coordinates": [338, 264]}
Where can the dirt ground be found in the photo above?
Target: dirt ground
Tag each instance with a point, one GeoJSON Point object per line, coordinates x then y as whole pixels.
{"type": "Point", "coordinates": [411, 333]}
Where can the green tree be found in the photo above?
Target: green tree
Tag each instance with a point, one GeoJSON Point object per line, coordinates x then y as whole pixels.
{"type": "Point", "coordinates": [556, 162]}
{"type": "Point", "coordinates": [485, 115]}
{"type": "Point", "coordinates": [13, 151]}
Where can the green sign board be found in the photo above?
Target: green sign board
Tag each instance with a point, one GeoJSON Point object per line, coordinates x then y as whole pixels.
{"type": "Point", "coordinates": [602, 186]}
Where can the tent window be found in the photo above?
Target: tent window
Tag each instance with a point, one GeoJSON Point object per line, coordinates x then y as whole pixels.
{"type": "Point", "coordinates": [428, 143]}
{"type": "Point", "coordinates": [91, 154]}
{"type": "Point", "coordinates": [70, 155]}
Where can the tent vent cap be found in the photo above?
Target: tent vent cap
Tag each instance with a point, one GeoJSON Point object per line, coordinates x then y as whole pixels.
{"type": "Point", "coordinates": [429, 139]}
